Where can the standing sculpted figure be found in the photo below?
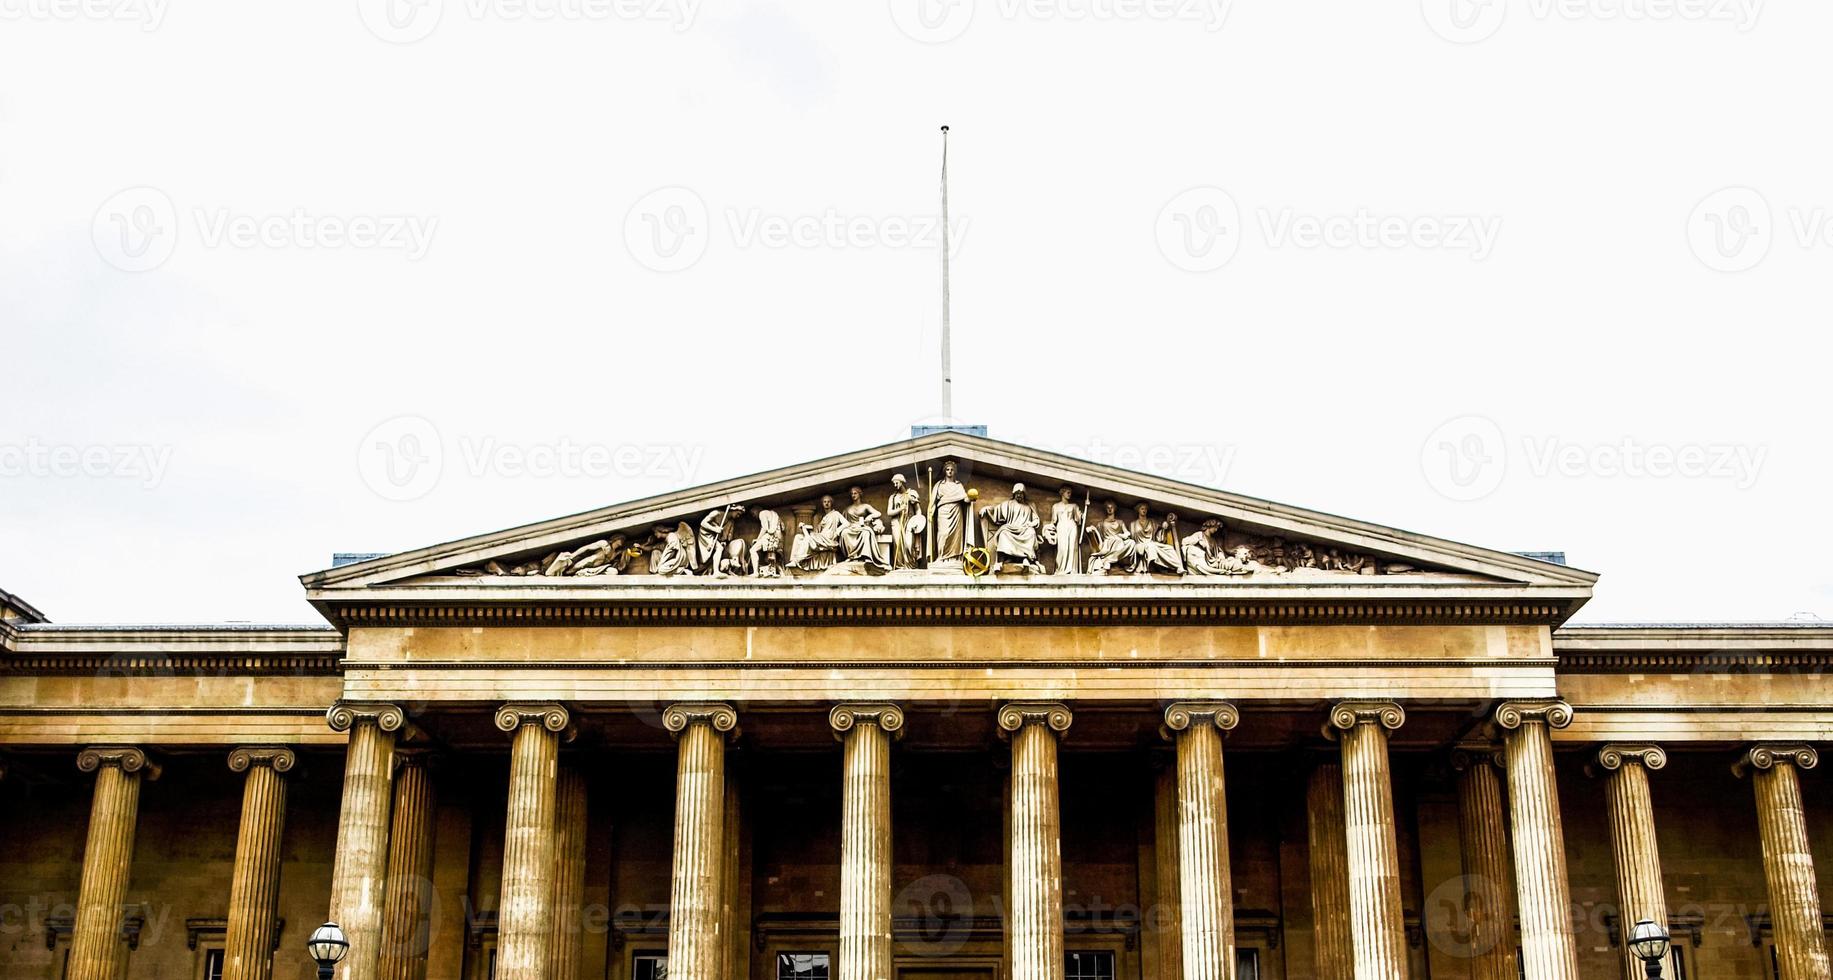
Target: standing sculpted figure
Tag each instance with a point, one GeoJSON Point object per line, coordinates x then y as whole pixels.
{"type": "Point", "coordinates": [1064, 531]}
{"type": "Point", "coordinates": [905, 509]}
{"type": "Point", "coordinates": [1013, 531]}
{"type": "Point", "coordinates": [767, 550]}
{"type": "Point", "coordinates": [715, 548]}
{"type": "Point", "coordinates": [948, 507]}
{"type": "Point", "coordinates": [1110, 543]}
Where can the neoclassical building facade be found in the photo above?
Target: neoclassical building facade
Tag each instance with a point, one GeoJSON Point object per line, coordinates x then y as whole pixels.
{"type": "Point", "coordinates": [948, 708]}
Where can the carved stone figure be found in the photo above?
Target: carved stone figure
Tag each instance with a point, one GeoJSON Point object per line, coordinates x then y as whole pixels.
{"type": "Point", "coordinates": [1012, 531]}
{"type": "Point", "coordinates": [676, 556]}
{"type": "Point", "coordinates": [767, 549]}
{"type": "Point", "coordinates": [608, 556]}
{"type": "Point", "coordinates": [1151, 551]}
{"type": "Point", "coordinates": [859, 534]}
{"type": "Point", "coordinates": [905, 511]}
{"type": "Point", "coordinates": [1064, 531]}
{"type": "Point", "coordinates": [1110, 543]}
{"type": "Point", "coordinates": [815, 546]}
{"type": "Point", "coordinates": [712, 544]}
{"type": "Point", "coordinates": [1204, 554]}
{"type": "Point", "coordinates": [948, 509]}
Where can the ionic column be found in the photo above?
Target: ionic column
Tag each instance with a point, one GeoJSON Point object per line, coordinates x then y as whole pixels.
{"type": "Point", "coordinates": [567, 938]}
{"type": "Point", "coordinates": [525, 917]}
{"type": "Point", "coordinates": [1489, 882]}
{"type": "Point", "coordinates": [696, 942]}
{"type": "Point", "coordinates": [97, 951]}
{"type": "Point", "coordinates": [1788, 861]}
{"type": "Point", "coordinates": [1548, 951]}
{"type": "Point", "coordinates": [1632, 838]}
{"type": "Point", "coordinates": [866, 731]}
{"type": "Point", "coordinates": [408, 892]}
{"type": "Point", "coordinates": [1204, 887]}
{"type": "Point", "coordinates": [361, 863]}
{"type": "Point", "coordinates": [1333, 946]}
{"type": "Point", "coordinates": [1170, 898]}
{"type": "Point", "coordinates": [1376, 923]}
{"type": "Point", "coordinates": [1035, 870]}
{"type": "Point", "coordinates": [254, 885]}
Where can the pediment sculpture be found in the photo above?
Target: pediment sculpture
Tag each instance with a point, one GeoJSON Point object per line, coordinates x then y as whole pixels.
{"type": "Point", "coordinates": [943, 526]}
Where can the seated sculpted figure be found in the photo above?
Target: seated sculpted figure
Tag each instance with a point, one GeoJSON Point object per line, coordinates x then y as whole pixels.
{"type": "Point", "coordinates": [1110, 546]}
{"type": "Point", "coordinates": [1012, 531]}
{"type": "Point", "coordinates": [859, 534]}
{"type": "Point", "coordinates": [1204, 554]}
{"type": "Point", "coordinates": [1151, 552]}
{"type": "Point", "coordinates": [816, 545]}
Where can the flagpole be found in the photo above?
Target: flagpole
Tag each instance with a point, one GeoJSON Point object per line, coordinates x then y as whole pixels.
{"type": "Point", "coordinates": [948, 380]}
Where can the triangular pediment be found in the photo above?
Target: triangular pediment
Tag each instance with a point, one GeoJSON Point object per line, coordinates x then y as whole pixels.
{"type": "Point", "coordinates": [668, 542]}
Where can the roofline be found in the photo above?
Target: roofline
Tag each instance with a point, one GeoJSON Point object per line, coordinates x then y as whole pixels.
{"type": "Point", "coordinates": [1624, 637]}
{"type": "Point", "coordinates": [222, 638]}
{"type": "Point", "coordinates": [1269, 513]}
{"type": "Point", "coordinates": [28, 612]}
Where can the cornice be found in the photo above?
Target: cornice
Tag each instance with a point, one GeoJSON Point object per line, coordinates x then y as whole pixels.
{"type": "Point", "coordinates": [1001, 604]}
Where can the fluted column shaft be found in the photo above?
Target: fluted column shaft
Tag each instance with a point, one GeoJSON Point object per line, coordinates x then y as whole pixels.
{"type": "Point", "coordinates": [1788, 861]}
{"type": "Point", "coordinates": [1204, 885]}
{"type": "Point", "coordinates": [1333, 946]}
{"type": "Point", "coordinates": [408, 892]}
{"type": "Point", "coordinates": [567, 937]}
{"type": "Point", "coordinates": [1489, 881]}
{"type": "Point", "coordinates": [361, 863]}
{"type": "Point", "coordinates": [732, 884]}
{"type": "Point", "coordinates": [97, 951]}
{"type": "Point", "coordinates": [1035, 877]}
{"type": "Point", "coordinates": [525, 918]}
{"type": "Point", "coordinates": [1548, 950]}
{"type": "Point", "coordinates": [1632, 838]}
{"type": "Point", "coordinates": [696, 934]}
{"type": "Point", "coordinates": [1170, 913]}
{"type": "Point", "coordinates": [254, 884]}
{"type": "Point", "coordinates": [1376, 925]}
{"type": "Point", "coordinates": [865, 839]}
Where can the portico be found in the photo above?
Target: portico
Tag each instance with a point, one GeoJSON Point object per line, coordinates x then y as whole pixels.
{"type": "Point", "coordinates": [1274, 744]}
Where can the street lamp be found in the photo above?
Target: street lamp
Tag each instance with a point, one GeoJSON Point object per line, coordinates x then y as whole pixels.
{"type": "Point", "coordinates": [327, 945]}
{"type": "Point", "coordinates": [1650, 944]}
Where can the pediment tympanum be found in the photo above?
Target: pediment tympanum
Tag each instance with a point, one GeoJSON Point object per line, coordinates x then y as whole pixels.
{"type": "Point", "coordinates": [946, 509]}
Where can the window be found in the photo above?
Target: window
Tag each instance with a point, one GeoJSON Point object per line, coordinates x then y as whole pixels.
{"type": "Point", "coordinates": [213, 964]}
{"type": "Point", "coordinates": [1247, 964]}
{"type": "Point", "coordinates": [801, 966]}
{"type": "Point", "coordinates": [1677, 963]}
{"type": "Point", "coordinates": [650, 966]}
{"type": "Point", "coordinates": [1088, 966]}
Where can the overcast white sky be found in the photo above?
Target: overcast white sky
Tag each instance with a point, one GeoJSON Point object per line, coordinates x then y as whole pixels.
{"type": "Point", "coordinates": [1432, 266]}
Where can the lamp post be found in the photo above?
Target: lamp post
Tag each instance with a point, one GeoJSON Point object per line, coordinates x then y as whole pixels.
{"type": "Point", "coordinates": [1650, 944]}
{"type": "Point", "coordinates": [327, 945]}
